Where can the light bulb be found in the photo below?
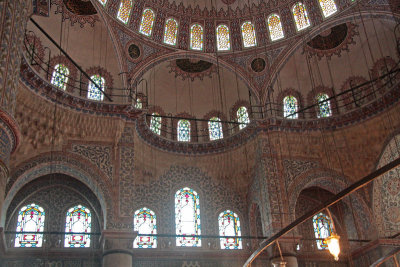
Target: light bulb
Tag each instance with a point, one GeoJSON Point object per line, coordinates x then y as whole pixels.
{"type": "Point", "coordinates": [333, 245]}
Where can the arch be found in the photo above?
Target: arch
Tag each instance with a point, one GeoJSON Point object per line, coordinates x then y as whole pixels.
{"type": "Point", "coordinates": [145, 222]}
{"type": "Point", "coordinates": [93, 91]}
{"type": "Point", "coordinates": [229, 225]}
{"type": "Point", "coordinates": [30, 219]}
{"type": "Point", "coordinates": [290, 107]}
{"type": "Point", "coordinates": [275, 27]}
{"type": "Point", "coordinates": [300, 16]}
{"type": "Point", "coordinates": [60, 76]}
{"type": "Point", "coordinates": [78, 220]}
{"type": "Point", "coordinates": [183, 131]}
{"type": "Point", "coordinates": [171, 31]}
{"type": "Point", "coordinates": [324, 105]}
{"type": "Point", "coordinates": [223, 39]}
{"type": "Point", "coordinates": [147, 22]}
{"type": "Point", "coordinates": [215, 130]}
{"type": "Point", "coordinates": [248, 34]}
{"type": "Point", "coordinates": [64, 163]}
{"type": "Point", "coordinates": [124, 11]}
{"type": "Point", "coordinates": [196, 37]}
{"type": "Point", "coordinates": [187, 217]}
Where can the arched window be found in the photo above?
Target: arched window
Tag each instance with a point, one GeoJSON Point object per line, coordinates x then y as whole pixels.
{"type": "Point", "coordinates": [30, 219]}
{"type": "Point", "coordinates": [328, 7]}
{"type": "Point", "coordinates": [275, 27]}
{"type": "Point", "coordinates": [248, 34]}
{"type": "Point", "coordinates": [93, 91]}
{"type": "Point", "coordinates": [229, 225]}
{"type": "Point", "coordinates": [146, 25]}
{"type": "Point", "coordinates": [183, 131]}
{"type": "Point", "coordinates": [290, 107]}
{"type": "Point", "coordinates": [300, 16]}
{"type": "Point", "coordinates": [324, 106]}
{"type": "Point", "coordinates": [215, 129]}
{"type": "Point", "coordinates": [139, 103]}
{"type": "Point", "coordinates": [187, 218]}
{"type": "Point", "coordinates": [144, 222]}
{"type": "Point", "coordinates": [196, 37]}
{"type": "Point", "coordinates": [78, 221]}
{"type": "Point", "coordinates": [124, 10]}
{"type": "Point", "coordinates": [223, 40]}
{"type": "Point", "coordinates": [242, 117]}
{"type": "Point", "coordinates": [322, 229]}
{"type": "Point", "coordinates": [155, 123]}
{"type": "Point", "coordinates": [103, 2]}
{"type": "Point", "coordinates": [171, 31]}
{"type": "Point", "coordinates": [60, 76]}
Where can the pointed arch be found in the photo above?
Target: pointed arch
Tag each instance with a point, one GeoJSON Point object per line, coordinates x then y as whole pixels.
{"type": "Point", "coordinates": [147, 22]}
{"type": "Point", "coordinates": [30, 219]}
{"type": "Point", "coordinates": [275, 27]}
{"type": "Point", "coordinates": [93, 91]}
{"type": "Point", "coordinates": [171, 31]}
{"type": "Point", "coordinates": [290, 107]}
{"type": "Point", "coordinates": [77, 222]}
{"type": "Point", "coordinates": [183, 131]}
{"type": "Point", "coordinates": [223, 39]}
{"type": "Point", "coordinates": [229, 225]}
{"type": "Point", "coordinates": [248, 34]}
{"type": "Point", "coordinates": [300, 16]}
{"type": "Point", "coordinates": [196, 37]}
{"type": "Point", "coordinates": [124, 11]}
{"type": "Point", "coordinates": [145, 222]}
{"type": "Point", "coordinates": [187, 218]}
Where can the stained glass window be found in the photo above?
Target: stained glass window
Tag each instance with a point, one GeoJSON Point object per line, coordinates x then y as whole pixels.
{"type": "Point", "coordinates": [242, 117]}
{"type": "Point", "coordinates": [144, 222]}
{"type": "Point", "coordinates": [290, 107]}
{"type": "Point", "coordinates": [103, 2]}
{"type": "Point", "coordinates": [300, 16]}
{"type": "Point", "coordinates": [60, 76]}
{"type": "Point", "coordinates": [138, 103]}
{"type": "Point", "coordinates": [196, 37]}
{"type": "Point", "coordinates": [328, 7]}
{"type": "Point", "coordinates": [78, 221]}
{"type": "Point", "coordinates": [324, 106]}
{"type": "Point", "coordinates": [223, 40]}
{"type": "Point", "coordinates": [146, 25]}
{"type": "Point", "coordinates": [187, 218]}
{"type": "Point", "coordinates": [322, 229]}
{"type": "Point", "coordinates": [248, 34]}
{"type": "Point", "coordinates": [229, 225]}
{"type": "Point", "coordinates": [275, 27]}
{"type": "Point", "coordinates": [171, 31]}
{"type": "Point", "coordinates": [93, 90]}
{"type": "Point", "coordinates": [124, 10]}
{"type": "Point", "coordinates": [184, 131]}
{"type": "Point", "coordinates": [30, 219]}
{"type": "Point", "coordinates": [215, 129]}
{"type": "Point", "coordinates": [155, 123]}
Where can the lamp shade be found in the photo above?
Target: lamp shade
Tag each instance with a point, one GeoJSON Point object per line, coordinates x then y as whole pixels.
{"type": "Point", "coordinates": [333, 245]}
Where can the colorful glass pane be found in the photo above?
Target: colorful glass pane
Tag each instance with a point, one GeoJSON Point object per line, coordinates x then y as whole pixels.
{"type": "Point", "coordinates": [124, 10]}
{"type": "Point", "coordinates": [139, 103]}
{"type": "Point", "coordinates": [328, 7]}
{"type": "Point", "coordinates": [187, 218]}
{"type": "Point", "coordinates": [290, 107]}
{"type": "Point", "coordinates": [93, 91]}
{"type": "Point", "coordinates": [223, 40]}
{"type": "Point", "coordinates": [248, 34]}
{"type": "Point", "coordinates": [171, 31]}
{"type": "Point", "coordinates": [60, 76]}
{"type": "Point", "coordinates": [30, 219]}
{"type": "Point", "coordinates": [300, 16]}
{"type": "Point", "coordinates": [155, 123]}
{"type": "Point", "coordinates": [322, 229]}
{"type": "Point", "coordinates": [103, 2]}
{"type": "Point", "coordinates": [215, 129]}
{"type": "Point", "coordinates": [196, 37]}
{"type": "Point", "coordinates": [242, 117]}
{"type": "Point", "coordinates": [324, 106]}
{"type": "Point", "coordinates": [78, 222]}
{"type": "Point", "coordinates": [146, 25]}
{"type": "Point", "coordinates": [229, 225]}
{"type": "Point", "coordinates": [183, 131]}
{"type": "Point", "coordinates": [275, 27]}
{"type": "Point", "coordinates": [144, 222]}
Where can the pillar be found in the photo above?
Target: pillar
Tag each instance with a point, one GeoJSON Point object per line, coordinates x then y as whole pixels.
{"type": "Point", "coordinates": [117, 248]}
{"type": "Point", "coordinates": [13, 18]}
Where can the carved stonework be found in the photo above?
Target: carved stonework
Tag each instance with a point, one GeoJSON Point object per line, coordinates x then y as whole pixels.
{"type": "Point", "coordinates": [80, 13]}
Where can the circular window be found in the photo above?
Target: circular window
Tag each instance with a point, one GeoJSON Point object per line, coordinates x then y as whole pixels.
{"type": "Point", "coordinates": [258, 65]}
{"type": "Point", "coordinates": [134, 51]}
